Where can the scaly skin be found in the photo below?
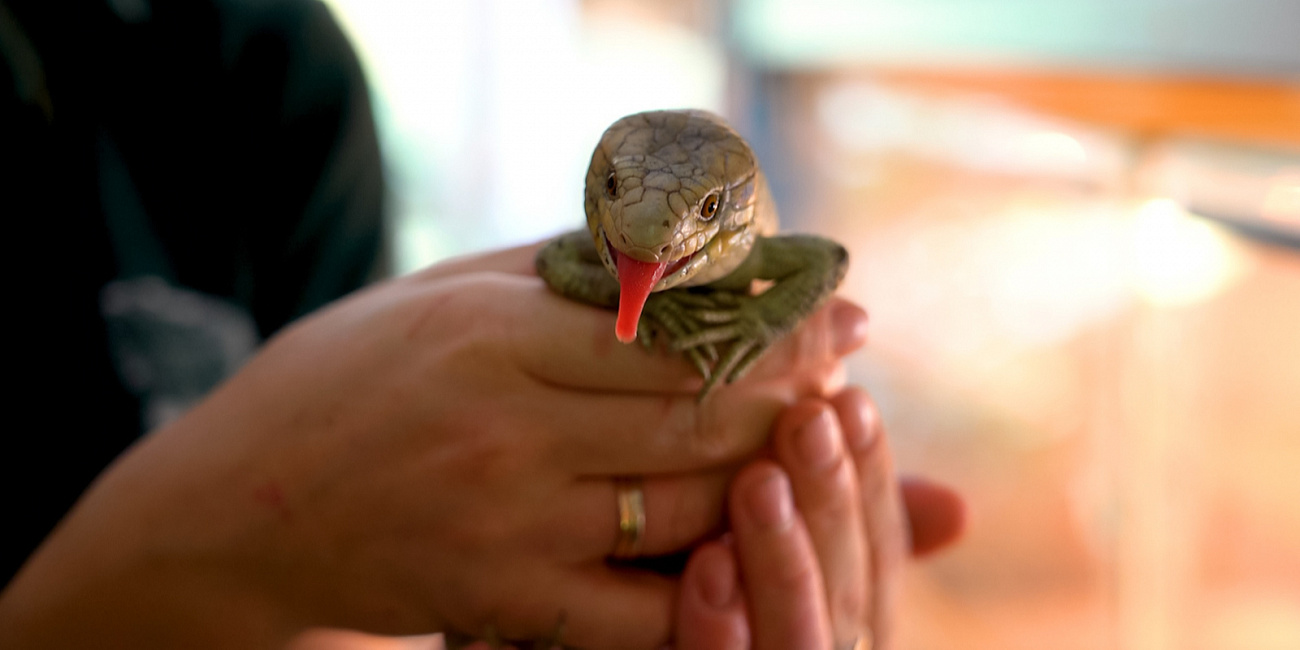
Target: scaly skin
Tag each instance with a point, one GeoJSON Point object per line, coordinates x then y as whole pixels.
{"type": "Point", "coordinates": [649, 188]}
{"type": "Point", "coordinates": [682, 191]}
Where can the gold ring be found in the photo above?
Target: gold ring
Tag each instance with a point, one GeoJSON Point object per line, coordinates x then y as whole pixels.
{"type": "Point", "coordinates": [631, 517]}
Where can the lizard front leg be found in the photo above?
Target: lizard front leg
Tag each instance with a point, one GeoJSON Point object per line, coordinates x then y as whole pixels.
{"type": "Point", "coordinates": [805, 270]}
{"type": "Point", "coordinates": [570, 265]}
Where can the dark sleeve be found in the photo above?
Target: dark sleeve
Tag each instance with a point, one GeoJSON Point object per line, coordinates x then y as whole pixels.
{"type": "Point", "coordinates": [246, 140]}
{"type": "Point", "coordinates": [279, 205]}
{"type": "Point", "coordinates": [315, 187]}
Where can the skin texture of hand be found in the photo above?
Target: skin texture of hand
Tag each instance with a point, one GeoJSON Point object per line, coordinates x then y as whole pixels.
{"type": "Point", "coordinates": [809, 577]}
{"type": "Point", "coordinates": [436, 452]}
{"type": "Point", "coordinates": [819, 536]}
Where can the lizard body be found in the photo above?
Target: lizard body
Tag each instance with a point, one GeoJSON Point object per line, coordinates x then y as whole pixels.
{"type": "Point", "coordinates": [680, 223]}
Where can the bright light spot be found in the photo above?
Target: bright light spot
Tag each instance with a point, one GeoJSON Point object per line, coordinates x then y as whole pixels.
{"type": "Point", "coordinates": [631, 64]}
{"type": "Point", "coordinates": [1282, 202]}
{"type": "Point", "coordinates": [866, 117]}
{"type": "Point", "coordinates": [1053, 149]}
{"type": "Point", "coordinates": [1180, 259]}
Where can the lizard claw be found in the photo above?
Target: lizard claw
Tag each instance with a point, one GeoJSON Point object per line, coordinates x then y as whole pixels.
{"type": "Point", "coordinates": [747, 331]}
{"type": "Point", "coordinates": [697, 323]}
{"type": "Point", "coordinates": [671, 315]}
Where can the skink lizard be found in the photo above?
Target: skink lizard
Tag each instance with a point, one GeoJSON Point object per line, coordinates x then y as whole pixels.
{"type": "Point", "coordinates": [680, 223]}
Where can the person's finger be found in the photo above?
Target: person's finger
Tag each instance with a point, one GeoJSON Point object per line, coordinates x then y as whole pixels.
{"type": "Point", "coordinates": [881, 507]}
{"type": "Point", "coordinates": [581, 602]}
{"type": "Point", "coordinates": [729, 425]}
{"type": "Point", "coordinates": [517, 260]}
{"type": "Point", "coordinates": [635, 435]}
{"type": "Point", "coordinates": [783, 582]}
{"type": "Point", "coordinates": [936, 514]}
{"type": "Point", "coordinates": [711, 609]}
{"type": "Point", "coordinates": [810, 447]}
{"type": "Point", "coordinates": [849, 323]}
{"type": "Point", "coordinates": [601, 435]}
{"type": "Point", "coordinates": [680, 510]}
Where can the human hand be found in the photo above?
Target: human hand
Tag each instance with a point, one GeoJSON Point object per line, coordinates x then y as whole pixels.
{"type": "Point", "coordinates": [819, 536]}
{"type": "Point", "coordinates": [434, 453]}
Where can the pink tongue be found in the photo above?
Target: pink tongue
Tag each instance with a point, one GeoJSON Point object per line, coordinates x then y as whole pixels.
{"type": "Point", "coordinates": [635, 279]}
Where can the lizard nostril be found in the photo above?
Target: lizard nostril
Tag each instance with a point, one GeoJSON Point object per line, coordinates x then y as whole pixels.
{"type": "Point", "coordinates": [663, 249]}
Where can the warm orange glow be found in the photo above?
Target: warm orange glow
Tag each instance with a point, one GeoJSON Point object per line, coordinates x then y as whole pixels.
{"type": "Point", "coordinates": [1147, 106]}
{"type": "Point", "coordinates": [1111, 379]}
{"type": "Point", "coordinates": [1282, 202]}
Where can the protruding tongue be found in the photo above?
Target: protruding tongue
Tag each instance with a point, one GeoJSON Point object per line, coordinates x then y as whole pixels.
{"type": "Point", "coordinates": [635, 279]}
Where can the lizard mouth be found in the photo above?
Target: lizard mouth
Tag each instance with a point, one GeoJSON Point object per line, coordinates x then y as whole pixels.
{"type": "Point", "coordinates": [673, 271]}
{"type": "Point", "coordinates": [636, 280]}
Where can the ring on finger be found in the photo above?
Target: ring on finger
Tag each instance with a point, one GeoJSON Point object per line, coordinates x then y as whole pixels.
{"type": "Point", "coordinates": [630, 498]}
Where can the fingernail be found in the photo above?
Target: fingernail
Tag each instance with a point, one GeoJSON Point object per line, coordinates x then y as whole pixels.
{"type": "Point", "coordinates": [770, 503]}
{"type": "Point", "coordinates": [816, 443]}
{"type": "Point", "coordinates": [718, 581]}
{"type": "Point", "coordinates": [849, 324]}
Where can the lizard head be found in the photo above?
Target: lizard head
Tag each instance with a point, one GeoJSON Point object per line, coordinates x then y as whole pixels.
{"type": "Point", "coordinates": [671, 202]}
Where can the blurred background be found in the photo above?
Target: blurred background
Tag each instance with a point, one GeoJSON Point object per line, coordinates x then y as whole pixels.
{"type": "Point", "coordinates": [1076, 225]}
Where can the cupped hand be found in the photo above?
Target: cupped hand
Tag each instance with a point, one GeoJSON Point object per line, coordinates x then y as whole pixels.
{"type": "Point", "coordinates": [434, 453]}
{"type": "Point", "coordinates": [819, 536]}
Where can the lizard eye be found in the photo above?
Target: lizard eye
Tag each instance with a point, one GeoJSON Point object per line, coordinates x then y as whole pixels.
{"type": "Point", "coordinates": [611, 185]}
{"type": "Point", "coordinates": [709, 207]}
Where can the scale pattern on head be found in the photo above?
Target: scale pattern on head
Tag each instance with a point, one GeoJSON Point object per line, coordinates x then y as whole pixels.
{"type": "Point", "coordinates": [676, 187]}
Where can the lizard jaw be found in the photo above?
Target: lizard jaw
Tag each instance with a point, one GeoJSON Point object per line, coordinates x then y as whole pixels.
{"type": "Point", "coordinates": [636, 281]}
{"type": "Point", "coordinates": [675, 272]}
